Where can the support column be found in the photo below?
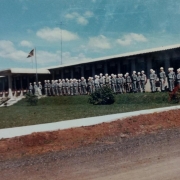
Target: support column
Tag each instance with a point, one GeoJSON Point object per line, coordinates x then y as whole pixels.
{"type": "Point", "coordinates": [3, 84]}
{"type": "Point", "coordinates": [10, 95]}
{"type": "Point", "coordinates": [21, 94]}
{"type": "Point", "coordinates": [15, 83]}
{"type": "Point", "coordinates": [149, 66]}
{"type": "Point", "coordinates": [167, 63]}
{"type": "Point", "coordinates": [27, 87]}
{"type": "Point", "coordinates": [119, 67]}
{"type": "Point", "coordinates": [133, 66]}
{"type": "Point", "coordinates": [62, 74]}
{"type": "Point", "coordinates": [105, 67]}
{"type": "Point", "coordinates": [53, 75]}
{"type": "Point", "coordinates": [82, 71]}
{"type": "Point", "coordinates": [21, 83]}
{"type": "Point", "coordinates": [72, 75]}
{"type": "Point", "coordinates": [93, 70]}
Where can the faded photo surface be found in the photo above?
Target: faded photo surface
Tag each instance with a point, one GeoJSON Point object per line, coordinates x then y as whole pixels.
{"type": "Point", "coordinates": [89, 90]}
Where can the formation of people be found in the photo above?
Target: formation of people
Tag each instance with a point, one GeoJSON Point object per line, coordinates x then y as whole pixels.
{"type": "Point", "coordinates": [118, 83]}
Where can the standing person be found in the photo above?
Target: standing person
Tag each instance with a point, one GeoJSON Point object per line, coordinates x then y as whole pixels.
{"type": "Point", "coordinates": [36, 93]}
{"type": "Point", "coordinates": [56, 84]}
{"type": "Point", "coordinates": [53, 87]}
{"type": "Point", "coordinates": [139, 82]}
{"type": "Point", "coordinates": [174, 77]}
{"type": "Point", "coordinates": [152, 80]}
{"type": "Point", "coordinates": [64, 87]}
{"type": "Point", "coordinates": [49, 87]}
{"type": "Point", "coordinates": [128, 83]}
{"type": "Point", "coordinates": [156, 78]}
{"type": "Point", "coordinates": [171, 79]}
{"type": "Point", "coordinates": [110, 82]}
{"type": "Point", "coordinates": [178, 77]}
{"type": "Point", "coordinates": [134, 82]}
{"type": "Point", "coordinates": [60, 87]}
{"type": "Point", "coordinates": [162, 79]}
{"type": "Point", "coordinates": [101, 80]}
{"type": "Point", "coordinates": [96, 83]}
{"type": "Point", "coordinates": [40, 88]}
{"type": "Point", "coordinates": [71, 87]}
{"type": "Point", "coordinates": [67, 87]}
{"type": "Point", "coordinates": [75, 86]}
{"type": "Point", "coordinates": [125, 84]}
{"type": "Point", "coordinates": [168, 76]}
{"type": "Point", "coordinates": [88, 85]}
{"type": "Point", "coordinates": [93, 86]}
{"type": "Point", "coordinates": [118, 83]}
{"type": "Point", "coordinates": [143, 81]}
{"type": "Point", "coordinates": [83, 85]}
{"type": "Point", "coordinates": [113, 81]}
{"type": "Point", "coordinates": [45, 88]}
{"type": "Point", "coordinates": [79, 87]}
{"type": "Point", "coordinates": [121, 86]}
{"type": "Point", "coordinates": [30, 89]}
{"type": "Point", "coordinates": [106, 80]}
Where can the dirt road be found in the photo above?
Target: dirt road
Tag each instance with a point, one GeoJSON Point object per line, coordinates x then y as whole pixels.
{"type": "Point", "coordinates": [146, 157]}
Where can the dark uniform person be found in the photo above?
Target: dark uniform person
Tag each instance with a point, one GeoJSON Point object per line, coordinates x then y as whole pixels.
{"type": "Point", "coordinates": [139, 82]}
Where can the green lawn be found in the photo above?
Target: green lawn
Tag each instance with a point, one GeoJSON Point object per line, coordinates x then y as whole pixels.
{"type": "Point", "coordinates": [53, 109]}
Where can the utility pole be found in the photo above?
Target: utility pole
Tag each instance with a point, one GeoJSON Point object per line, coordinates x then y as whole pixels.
{"type": "Point", "coordinates": [61, 41]}
{"type": "Point", "coordinates": [61, 24]}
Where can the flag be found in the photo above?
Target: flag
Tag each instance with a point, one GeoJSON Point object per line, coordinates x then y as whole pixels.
{"type": "Point", "coordinates": [31, 54]}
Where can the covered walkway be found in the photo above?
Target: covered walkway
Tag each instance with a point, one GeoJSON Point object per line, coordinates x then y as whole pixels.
{"type": "Point", "coordinates": [16, 80]}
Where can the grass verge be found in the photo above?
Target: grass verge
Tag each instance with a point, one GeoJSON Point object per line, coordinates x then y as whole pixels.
{"type": "Point", "coordinates": [53, 109]}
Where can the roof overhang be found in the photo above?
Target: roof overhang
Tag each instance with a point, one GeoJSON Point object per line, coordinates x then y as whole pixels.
{"type": "Point", "coordinates": [124, 55]}
{"type": "Point", "coordinates": [23, 71]}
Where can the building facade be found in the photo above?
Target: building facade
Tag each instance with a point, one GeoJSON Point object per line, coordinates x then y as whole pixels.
{"type": "Point", "coordinates": [169, 56]}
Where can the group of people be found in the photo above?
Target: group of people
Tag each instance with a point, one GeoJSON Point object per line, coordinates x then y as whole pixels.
{"type": "Point", "coordinates": [171, 77]}
{"type": "Point", "coordinates": [118, 83]}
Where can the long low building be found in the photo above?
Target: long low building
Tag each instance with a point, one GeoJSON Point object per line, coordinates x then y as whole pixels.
{"type": "Point", "coordinates": [167, 56]}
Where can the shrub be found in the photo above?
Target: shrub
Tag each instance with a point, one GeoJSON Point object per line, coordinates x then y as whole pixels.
{"type": "Point", "coordinates": [174, 96]}
{"type": "Point", "coordinates": [103, 96]}
{"type": "Point", "coordinates": [32, 99]}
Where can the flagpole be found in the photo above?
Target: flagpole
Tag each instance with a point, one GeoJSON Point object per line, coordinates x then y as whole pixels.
{"type": "Point", "coordinates": [36, 67]}
{"type": "Point", "coordinates": [32, 62]}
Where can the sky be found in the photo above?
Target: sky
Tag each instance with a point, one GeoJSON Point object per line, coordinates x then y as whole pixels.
{"type": "Point", "coordinates": [89, 29]}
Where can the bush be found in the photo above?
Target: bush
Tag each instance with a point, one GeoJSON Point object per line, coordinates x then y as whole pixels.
{"type": "Point", "coordinates": [174, 96]}
{"type": "Point", "coordinates": [32, 99]}
{"type": "Point", "coordinates": [103, 96]}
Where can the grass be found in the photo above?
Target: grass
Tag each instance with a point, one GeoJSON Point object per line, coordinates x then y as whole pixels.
{"type": "Point", "coordinates": [53, 109]}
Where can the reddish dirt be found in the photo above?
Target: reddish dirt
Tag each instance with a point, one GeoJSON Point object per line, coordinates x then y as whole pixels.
{"type": "Point", "coordinates": [41, 143]}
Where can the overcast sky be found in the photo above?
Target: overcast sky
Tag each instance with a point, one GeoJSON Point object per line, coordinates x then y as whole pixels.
{"type": "Point", "coordinates": [91, 29]}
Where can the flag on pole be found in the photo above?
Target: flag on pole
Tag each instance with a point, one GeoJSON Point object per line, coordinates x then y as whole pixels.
{"type": "Point", "coordinates": [31, 53]}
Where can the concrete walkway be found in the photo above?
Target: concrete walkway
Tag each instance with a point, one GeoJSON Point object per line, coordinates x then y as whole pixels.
{"type": "Point", "coordinates": [24, 130]}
